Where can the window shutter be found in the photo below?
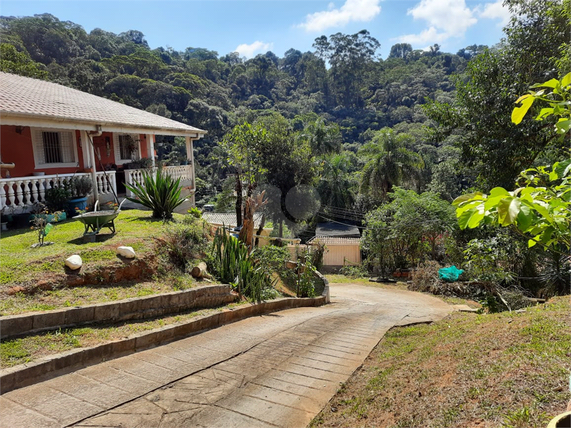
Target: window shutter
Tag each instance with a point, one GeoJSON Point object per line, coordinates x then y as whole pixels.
{"type": "Point", "coordinates": [116, 148]}
{"type": "Point", "coordinates": [38, 142]}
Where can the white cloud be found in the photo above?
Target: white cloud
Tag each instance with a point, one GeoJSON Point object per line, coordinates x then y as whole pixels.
{"type": "Point", "coordinates": [496, 11]}
{"type": "Point", "coordinates": [351, 11]}
{"type": "Point", "coordinates": [430, 35]}
{"type": "Point", "coordinates": [445, 18]}
{"type": "Point", "coordinates": [451, 16]}
{"type": "Point", "coordinates": [249, 50]}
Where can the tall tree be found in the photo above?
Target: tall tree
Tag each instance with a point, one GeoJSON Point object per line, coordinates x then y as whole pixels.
{"type": "Point", "coordinates": [243, 146]}
{"type": "Point", "coordinates": [349, 57]}
{"type": "Point", "coordinates": [12, 61]}
{"type": "Point", "coordinates": [336, 184]}
{"type": "Point", "coordinates": [537, 38]}
{"type": "Point", "coordinates": [401, 50]}
{"type": "Point", "coordinates": [391, 164]}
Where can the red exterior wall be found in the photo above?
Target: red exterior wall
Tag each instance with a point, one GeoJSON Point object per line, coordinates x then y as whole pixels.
{"type": "Point", "coordinates": [144, 151]}
{"type": "Point", "coordinates": [16, 147]}
{"type": "Point", "coordinates": [100, 144]}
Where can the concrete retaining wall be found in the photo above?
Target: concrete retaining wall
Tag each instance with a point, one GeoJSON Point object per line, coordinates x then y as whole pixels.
{"type": "Point", "coordinates": [123, 310]}
{"type": "Point", "coordinates": [49, 367]}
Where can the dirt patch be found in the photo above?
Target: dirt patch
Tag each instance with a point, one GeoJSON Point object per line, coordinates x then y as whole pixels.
{"type": "Point", "coordinates": [500, 370]}
{"type": "Point", "coordinates": [117, 271]}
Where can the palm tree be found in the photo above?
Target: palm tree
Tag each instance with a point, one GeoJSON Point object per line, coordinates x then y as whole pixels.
{"type": "Point", "coordinates": [336, 184]}
{"type": "Point", "coordinates": [390, 163]}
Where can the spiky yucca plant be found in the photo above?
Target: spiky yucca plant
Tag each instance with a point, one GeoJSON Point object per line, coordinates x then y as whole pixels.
{"type": "Point", "coordinates": [238, 267]}
{"type": "Point", "coordinates": [159, 192]}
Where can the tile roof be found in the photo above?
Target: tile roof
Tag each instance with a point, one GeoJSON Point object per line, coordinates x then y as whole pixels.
{"type": "Point", "coordinates": [333, 229]}
{"type": "Point", "coordinates": [331, 240]}
{"type": "Point", "coordinates": [228, 219]}
{"type": "Point", "coordinates": [24, 96]}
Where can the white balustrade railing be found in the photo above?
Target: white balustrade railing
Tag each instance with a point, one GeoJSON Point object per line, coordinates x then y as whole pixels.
{"type": "Point", "coordinates": [20, 193]}
{"type": "Point", "coordinates": [134, 177]}
{"type": "Point", "coordinates": [107, 185]}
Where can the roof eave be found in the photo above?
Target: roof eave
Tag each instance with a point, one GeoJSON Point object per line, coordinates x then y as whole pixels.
{"type": "Point", "coordinates": [34, 120]}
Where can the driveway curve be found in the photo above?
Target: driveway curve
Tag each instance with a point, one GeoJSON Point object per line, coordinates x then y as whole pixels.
{"type": "Point", "coordinates": [276, 370]}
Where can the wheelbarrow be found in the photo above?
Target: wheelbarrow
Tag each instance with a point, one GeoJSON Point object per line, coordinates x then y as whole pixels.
{"type": "Point", "coordinates": [96, 220]}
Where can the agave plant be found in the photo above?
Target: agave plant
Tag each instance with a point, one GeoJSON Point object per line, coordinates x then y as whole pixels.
{"type": "Point", "coordinates": [237, 267]}
{"type": "Point", "coordinates": [159, 192]}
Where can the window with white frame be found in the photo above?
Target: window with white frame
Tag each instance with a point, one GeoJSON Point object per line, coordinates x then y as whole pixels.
{"type": "Point", "coordinates": [127, 147]}
{"type": "Point", "coordinates": [54, 148]}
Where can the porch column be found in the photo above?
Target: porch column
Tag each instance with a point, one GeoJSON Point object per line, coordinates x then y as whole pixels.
{"type": "Point", "coordinates": [190, 159]}
{"type": "Point", "coordinates": [151, 147]}
{"type": "Point", "coordinates": [85, 149]}
{"type": "Point", "coordinates": [90, 147]}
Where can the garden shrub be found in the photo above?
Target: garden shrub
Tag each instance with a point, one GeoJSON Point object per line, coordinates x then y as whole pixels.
{"type": "Point", "coordinates": [425, 277]}
{"type": "Point", "coordinates": [354, 271]}
{"type": "Point", "coordinates": [273, 258]}
{"type": "Point", "coordinates": [234, 265]}
{"type": "Point", "coordinates": [306, 286]}
{"type": "Point", "coordinates": [316, 255]}
{"type": "Point", "coordinates": [56, 198]}
{"type": "Point", "coordinates": [183, 242]}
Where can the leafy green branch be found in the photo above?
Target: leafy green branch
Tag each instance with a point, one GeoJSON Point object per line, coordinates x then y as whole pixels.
{"type": "Point", "coordinates": [541, 209]}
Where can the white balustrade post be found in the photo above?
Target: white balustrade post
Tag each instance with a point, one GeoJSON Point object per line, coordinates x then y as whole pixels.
{"type": "Point", "coordinates": [19, 193]}
{"type": "Point", "coordinates": [26, 193]}
{"type": "Point", "coordinates": [34, 191]}
{"type": "Point", "coordinates": [42, 189]}
{"type": "Point", "coordinates": [11, 196]}
{"type": "Point", "coordinates": [113, 180]}
{"type": "Point", "coordinates": [2, 196]}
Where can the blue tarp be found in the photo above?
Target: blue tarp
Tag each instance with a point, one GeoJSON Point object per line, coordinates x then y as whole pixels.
{"type": "Point", "coordinates": [449, 274]}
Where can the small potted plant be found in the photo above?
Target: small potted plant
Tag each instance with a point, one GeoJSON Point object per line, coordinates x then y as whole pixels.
{"type": "Point", "coordinates": [143, 163]}
{"type": "Point", "coordinates": [6, 216]}
{"type": "Point", "coordinates": [56, 198]}
{"type": "Point", "coordinates": [53, 207]}
{"type": "Point", "coordinates": [80, 188]}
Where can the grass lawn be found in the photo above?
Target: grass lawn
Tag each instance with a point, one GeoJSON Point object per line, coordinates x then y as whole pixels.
{"type": "Point", "coordinates": [19, 261]}
{"type": "Point", "coordinates": [497, 370]}
{"type": "Point", "coordinates": [30, 348]}
{"type": "Point", "coordinates": [25, 266]}
{"type": "Point", "coordinates": [342, 279]}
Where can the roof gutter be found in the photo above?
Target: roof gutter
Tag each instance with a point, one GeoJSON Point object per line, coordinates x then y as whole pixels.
{"type": "Point", "coordinates": [27, 119]}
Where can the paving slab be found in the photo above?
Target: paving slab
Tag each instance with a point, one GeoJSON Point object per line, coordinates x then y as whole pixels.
{"type": "Point", "coordinates": [276, 370]}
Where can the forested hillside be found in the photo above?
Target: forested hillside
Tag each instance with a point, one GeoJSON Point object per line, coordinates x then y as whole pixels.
{"type": "Point", "coordinates": [350, 132]}
{"type": "Point", "coordinates": [343, 81]}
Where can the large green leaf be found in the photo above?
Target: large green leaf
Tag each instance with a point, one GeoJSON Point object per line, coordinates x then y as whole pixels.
{"type": "Point", "coordinates": [525, 218]}
{"type": "Point", "coordinates": [499, 191]}
{"type": "Point", "coordinates": [544, 113]}
{"type": "Point", "coordinates": [549, 84]}
{"type": "Point", "coordinates": [508, 210]}
{"type": "Point", "coordinates": [476, 217]}
{"type": "Point", "coordinates": [563, 125]}
{"type": "Point", "coordinates": [464, 198]}
{"type": "Point", "coordinates": [519, 112]}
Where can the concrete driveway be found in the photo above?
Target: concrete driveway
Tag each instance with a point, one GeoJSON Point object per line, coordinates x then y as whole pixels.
{"type": "Point", "coordinates": [277, 370]}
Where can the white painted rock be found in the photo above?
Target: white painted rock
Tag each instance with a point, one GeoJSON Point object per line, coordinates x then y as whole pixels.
{"type": "Point", "coordinates": [74, 262]}
{"type": "Point", "coordinates": [126, 252]}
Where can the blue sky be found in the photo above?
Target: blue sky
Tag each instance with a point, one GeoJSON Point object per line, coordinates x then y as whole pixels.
{"type": "Point", "coordinates": [253, 27]}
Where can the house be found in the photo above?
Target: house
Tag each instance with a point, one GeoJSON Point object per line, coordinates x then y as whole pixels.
{"type": "Point", "coordinates": [335, 229]}
{"type": "Point", "coordinates": [228, 220]}
{"type": "Point", "coordinates": [342, 243]}
{"type": "Point", "coordinates": [49, 132]}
